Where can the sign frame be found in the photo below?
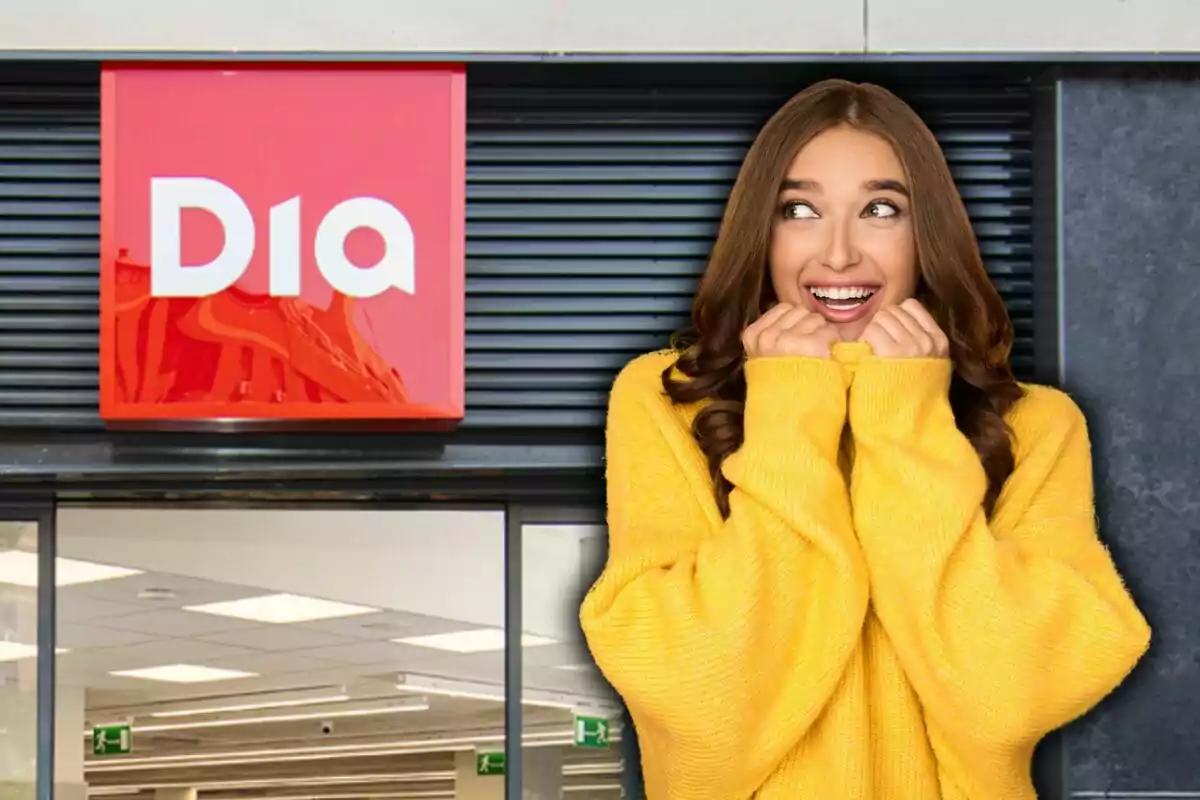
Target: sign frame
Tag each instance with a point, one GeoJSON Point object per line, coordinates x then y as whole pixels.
{"type": "Point", "coordinates": [592, 732]}
{"type": "Point", "coordinates": [103, 735]}
{"type": "Point", "coordinates": [119, 411]}
{"type": "Point", "coordinates": [490, 763]}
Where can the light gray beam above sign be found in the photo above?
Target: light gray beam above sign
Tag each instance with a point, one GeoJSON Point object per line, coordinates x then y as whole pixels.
{"type": "Point", "coordinates": [1046, 26]}
{"type": "Point", "coordinates": [453, 26]}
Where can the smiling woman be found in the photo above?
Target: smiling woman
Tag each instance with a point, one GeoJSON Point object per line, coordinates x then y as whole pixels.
{"type": "Point", "coordinates": [846, 192]}
{"type": "Point", "coordinates": [849, 555]}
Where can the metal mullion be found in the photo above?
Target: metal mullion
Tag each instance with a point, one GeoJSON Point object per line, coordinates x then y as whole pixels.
{"type": "Point", "coordinates": [47, 635]}
{"type": "Point", "coordinates": [513, 664]}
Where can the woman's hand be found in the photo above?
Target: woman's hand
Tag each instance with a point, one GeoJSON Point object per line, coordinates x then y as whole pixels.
{"type": "Point", "coordinates": [788, 330]}
{"type": "Point", "coordinates": [906, 331]}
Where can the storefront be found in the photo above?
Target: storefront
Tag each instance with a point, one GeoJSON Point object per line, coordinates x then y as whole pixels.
{"type": "Point", "coordinates": [593, 191]}
{"type": "Point", "coordinates": [592, 195]}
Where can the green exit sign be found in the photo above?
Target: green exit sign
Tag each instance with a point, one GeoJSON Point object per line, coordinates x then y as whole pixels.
{"type": "Point", "coordinates": [591, 732]}
{"type": "Point", "coordinates": [112, 740]}
{"type": "Point", "coordinates": [489, 763]}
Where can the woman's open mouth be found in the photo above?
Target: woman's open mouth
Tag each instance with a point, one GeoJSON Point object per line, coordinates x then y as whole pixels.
{"type": "Point", "coordinates": [843, 303]}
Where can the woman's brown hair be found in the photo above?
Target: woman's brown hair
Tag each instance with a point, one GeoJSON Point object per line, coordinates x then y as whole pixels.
{"type": "Point", "coordinates": [954, 286]}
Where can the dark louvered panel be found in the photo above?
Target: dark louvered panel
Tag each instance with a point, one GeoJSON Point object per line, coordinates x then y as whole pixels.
{"type": "Point", "coordinates": [591, 207]}
{"type": "Point", "coordinates": [591, 212]}
{"type": "Point", "coordinates": [49, 245]}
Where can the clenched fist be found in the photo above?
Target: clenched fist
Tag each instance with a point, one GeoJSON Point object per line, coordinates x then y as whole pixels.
{"type": "Point", "coordinates": [788, 330]}
{"type": "Point", "coordinates": [906, 331]}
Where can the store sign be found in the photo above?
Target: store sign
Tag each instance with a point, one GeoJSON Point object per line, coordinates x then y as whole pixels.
{"type": "Point", "coordinates": [282, 244]}
{"type": "Point", "coordinates": [489, 763]}
{"type": "Point", "coordinates": [591, 732]}
{"type": "Point", "coordinates": [112, 740]}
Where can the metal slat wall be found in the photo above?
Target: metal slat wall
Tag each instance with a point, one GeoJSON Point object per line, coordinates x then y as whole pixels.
{"type": "Point", "coordinates": [594, 194]}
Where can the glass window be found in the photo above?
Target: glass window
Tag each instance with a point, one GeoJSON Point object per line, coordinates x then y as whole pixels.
{"type": "Point", "coordinates": [572, 721]}
{"type": "Point", "coordinates": [313, 653]}
{"type": "Point", "coordinates": [18, 659]}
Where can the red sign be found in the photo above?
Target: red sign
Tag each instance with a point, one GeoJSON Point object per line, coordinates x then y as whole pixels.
{"type": "Point", "coordinates": [282, 243]}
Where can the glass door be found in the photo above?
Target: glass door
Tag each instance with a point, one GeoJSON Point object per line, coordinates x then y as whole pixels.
{"type": "Point", "coordinates": [26, 652]}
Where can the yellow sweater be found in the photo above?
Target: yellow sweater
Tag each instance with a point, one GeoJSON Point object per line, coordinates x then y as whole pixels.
{"type": "Point", "coordinates": [830, 642]}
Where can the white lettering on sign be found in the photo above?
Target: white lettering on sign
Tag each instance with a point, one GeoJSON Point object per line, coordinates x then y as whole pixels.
{"type": "Point", "coordinates": [169, 277]}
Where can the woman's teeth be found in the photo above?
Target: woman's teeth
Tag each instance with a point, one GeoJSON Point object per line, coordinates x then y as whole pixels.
{"type": "Point", "coordinates": [842, 297]}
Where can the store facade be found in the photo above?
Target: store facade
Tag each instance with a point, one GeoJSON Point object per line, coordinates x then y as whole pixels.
{"type": "Point", "coordinates": [592, 193]}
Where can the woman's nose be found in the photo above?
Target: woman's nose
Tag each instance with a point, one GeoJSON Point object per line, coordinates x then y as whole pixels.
{"type": "Point", "coordinates": [840, 251]}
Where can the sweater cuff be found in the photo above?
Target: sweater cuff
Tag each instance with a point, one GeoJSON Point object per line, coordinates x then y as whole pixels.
{"type": "Point", "coordinates": [788, 395]}
{"type": "Point", "coordinates": [900, 393]}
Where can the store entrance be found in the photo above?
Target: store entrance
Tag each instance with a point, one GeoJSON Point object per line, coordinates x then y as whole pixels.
{"type": "Point", "coordinates": [309, 653]}
{"type": "Point", "coordinates": [26, 666]}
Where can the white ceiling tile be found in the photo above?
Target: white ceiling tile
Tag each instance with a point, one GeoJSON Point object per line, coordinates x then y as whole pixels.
{"type": "Point", "coordinates": [81, 608]}
{"type": "Point", "coordinates": [187, 591]}
{"type": "Point", "coordinates": [433, 662]}
{"type": "Point", "coordinates": [267, 664]}
{"type": "Point", "coordinates": [72, 669]}
{"type": "Point", "coordinates": [556, 655]}
{"type": "Point", "coordinates": [557, 680]}
{"type": "Point", "coordinates": [179, 624]}
{"type": "Point", "coordinates": [103, 699]}
{"type": "Point", "coordinates": [336, 675]}
{"type": "Point", "coordinates": [275, 638]}
{"type": "Point", "coordinates": [376, 627]}
{"type": "Point", "coordinates": [461, 668]}
{"type": "Point", "coordinates": [85, 637]}
{"type": "Point", "coordinates": [364, 653]}
{"type": "Point", "coordinates": [154, 654]}
{"type": "Point", "coordinates": [20, 599]}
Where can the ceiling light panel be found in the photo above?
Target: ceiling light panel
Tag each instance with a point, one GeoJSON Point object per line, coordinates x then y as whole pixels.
{"type": "Point", "coordinates": [17, 651]}
{"type": "Point", "coordinates": [21, 569]}
{"type": "Point", "coordinates": [481, 640]}
{"type": "Point", "coordinates": [282, 609]}
{"type": "Point", "coordinates": [183, 673]}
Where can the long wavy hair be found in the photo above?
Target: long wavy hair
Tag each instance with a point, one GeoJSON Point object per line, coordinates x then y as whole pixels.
{"type": "Point", "coordinates": [736, 287]}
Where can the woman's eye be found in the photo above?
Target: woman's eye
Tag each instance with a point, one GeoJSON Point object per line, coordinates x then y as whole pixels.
{"type": "Point", "coordinates": [881, 210]}
{"type": "Point", "coordinates": [797, 210]}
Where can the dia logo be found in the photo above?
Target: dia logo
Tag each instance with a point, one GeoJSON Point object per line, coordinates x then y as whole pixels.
{"type": "Point", "coordinates": [171, 278]}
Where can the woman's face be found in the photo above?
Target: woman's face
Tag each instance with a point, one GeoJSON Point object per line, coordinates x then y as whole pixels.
{"type": "Point", "coordinates": [842, 240]}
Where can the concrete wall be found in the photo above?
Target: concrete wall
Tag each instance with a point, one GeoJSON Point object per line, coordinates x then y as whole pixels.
{"type": "Point", "coordinates": [1129, 227]}
{"type": "Point", "coordinates": [554, 26]}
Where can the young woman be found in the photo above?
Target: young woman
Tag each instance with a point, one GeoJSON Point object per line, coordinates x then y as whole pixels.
{"type": "Point", "coordinates": [850, 556]}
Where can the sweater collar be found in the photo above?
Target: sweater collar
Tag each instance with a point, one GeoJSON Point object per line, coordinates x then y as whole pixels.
{"type": "Point", "coordinates": [850, 353]}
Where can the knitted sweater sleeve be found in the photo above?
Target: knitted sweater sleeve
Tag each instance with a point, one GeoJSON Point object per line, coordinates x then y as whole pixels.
{"type": "Point", "coordinates": [726, 638]}
{"type": "Point", "coordinates": [1007, 627]}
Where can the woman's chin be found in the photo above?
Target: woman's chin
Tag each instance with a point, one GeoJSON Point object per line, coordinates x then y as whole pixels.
{"type": "Point", "coordinates": [852, 331]}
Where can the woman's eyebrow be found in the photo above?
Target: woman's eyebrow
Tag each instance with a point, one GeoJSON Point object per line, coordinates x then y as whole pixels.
{"type": "Point", "coordinates": [883, 185]}
{"type": "Point", "coordinates": [800, 184]}
{"type": "Point", "coordinates": [887, 186]}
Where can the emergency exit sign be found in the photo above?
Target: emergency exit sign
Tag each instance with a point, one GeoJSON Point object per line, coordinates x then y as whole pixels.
{"type": "Point", "coordinates": [591, 732]}
{"type": "Point", "coordinates": [489, 763]}
{"type": "Point", "coordinates": [112, 740]}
